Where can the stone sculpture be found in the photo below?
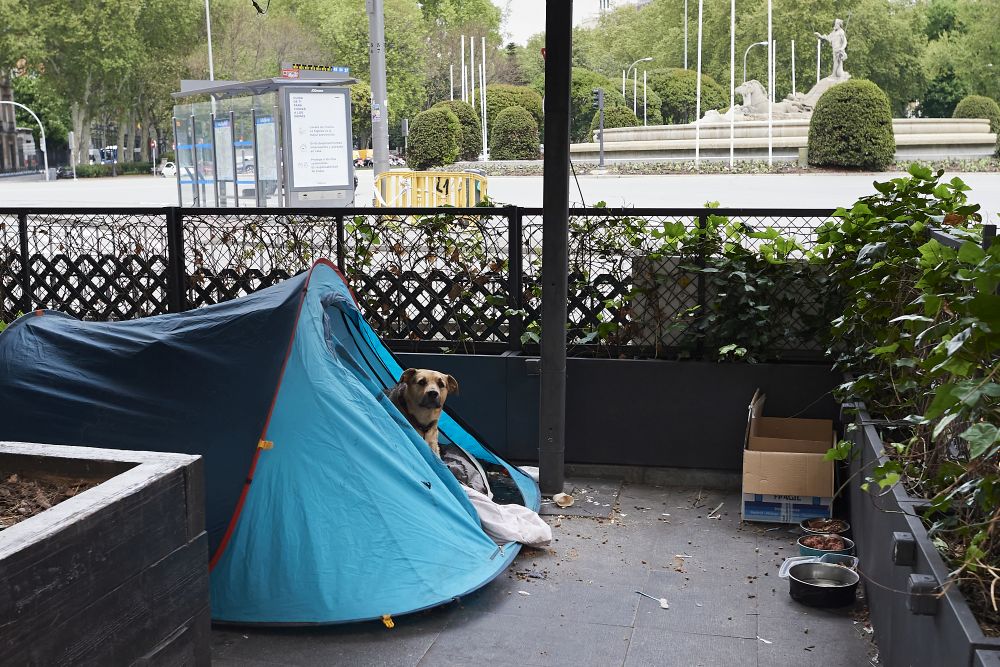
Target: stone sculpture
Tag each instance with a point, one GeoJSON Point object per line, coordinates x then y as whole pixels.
{"type": "Point", "coordinates": [838, 42]}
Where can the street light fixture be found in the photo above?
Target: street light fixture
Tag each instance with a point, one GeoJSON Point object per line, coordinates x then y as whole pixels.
{"type": "Point", "coordinates": [764, 43]}
{"type": "Point", "coordinates": [41, 128]}
{"type": "Point", "coordinates": [635, 82]}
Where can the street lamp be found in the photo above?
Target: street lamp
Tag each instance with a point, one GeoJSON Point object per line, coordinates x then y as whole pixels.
{"type": "Point", "coordinates": [41, 128]}
{"type": "Point", "coordinates": [764, 43]}
{"type": "Point", "coordinates": [208, 27]}
{"type": "Point", "coordinates": [635, 82]}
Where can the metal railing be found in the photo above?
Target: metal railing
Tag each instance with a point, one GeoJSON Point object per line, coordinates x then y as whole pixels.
{"type": "Point", "coordinates": [464, 280]}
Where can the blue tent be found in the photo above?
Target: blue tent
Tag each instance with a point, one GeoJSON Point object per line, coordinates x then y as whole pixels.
{"type": "Point", "coordinates": [323, 505]}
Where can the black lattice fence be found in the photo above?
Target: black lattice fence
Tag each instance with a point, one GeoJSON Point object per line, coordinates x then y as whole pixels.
{"type": "Point", "coordinates": [644, 282]}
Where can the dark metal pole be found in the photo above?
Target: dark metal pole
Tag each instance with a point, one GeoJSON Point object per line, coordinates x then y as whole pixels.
{"type": "Point", "coordinates": [341, 238]}
{"type": "Point", "coordinates": [702, 292]}
{"type": "Point", "coordinates": [989, 234]}
{"type": "Point", "coordinates": [22, 234]}
{"type": "Point", "coordinates": [600, 104]}
{"type": "Point", "coordinates": [555, 242]}
{"type": "Point", "coordinates": [515, 269]}
{"type": "Point", "coordinates": [176, 282]}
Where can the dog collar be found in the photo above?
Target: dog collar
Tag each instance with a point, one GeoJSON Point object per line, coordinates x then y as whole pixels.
{"type": "Point", "coordinates": [424, 428]}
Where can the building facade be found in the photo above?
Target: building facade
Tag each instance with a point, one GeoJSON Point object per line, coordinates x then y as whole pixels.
{"type": "Point", "coordinates": [8, 127]}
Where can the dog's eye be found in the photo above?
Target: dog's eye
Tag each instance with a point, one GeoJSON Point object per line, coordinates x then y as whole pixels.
{"type": "Point", "coordinates": [423, 381]}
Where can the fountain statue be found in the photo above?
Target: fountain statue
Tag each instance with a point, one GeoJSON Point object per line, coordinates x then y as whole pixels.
{"type": "Point", "coordinates": [797, 105]}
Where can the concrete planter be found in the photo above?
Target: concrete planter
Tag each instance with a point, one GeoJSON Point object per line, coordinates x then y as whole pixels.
{"type": "Point", "coordinates": [117, 575]}
{"type": "Point", "coordinates": [903, 574]}
{"type": "Point", "coordinates": [679, 414]}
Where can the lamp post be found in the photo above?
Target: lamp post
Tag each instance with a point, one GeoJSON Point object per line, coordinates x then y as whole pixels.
{"type": "Point", "coordinates": [41, 129]}
{"type": "Point", "coordinates": [635, 83]}
{"type": "Point", "coordinates": [208, 27]}
{"type": "Point", "coordinates": [764, 43]}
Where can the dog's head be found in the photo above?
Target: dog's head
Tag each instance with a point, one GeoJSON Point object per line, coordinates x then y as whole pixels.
{"type": "Point", "coordinates": [426, 388]}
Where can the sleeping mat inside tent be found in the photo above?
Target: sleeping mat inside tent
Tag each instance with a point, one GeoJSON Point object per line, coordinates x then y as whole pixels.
{"type": "Point", "coordinates": [323, 505]}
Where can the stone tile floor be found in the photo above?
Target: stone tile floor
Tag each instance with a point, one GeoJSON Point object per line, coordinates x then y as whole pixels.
{"type": "Point", "coordinates": [575, 602]}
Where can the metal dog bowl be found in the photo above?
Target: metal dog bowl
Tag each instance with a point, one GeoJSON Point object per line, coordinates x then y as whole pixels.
{"type": "Point", "coordinates": [822, 584]}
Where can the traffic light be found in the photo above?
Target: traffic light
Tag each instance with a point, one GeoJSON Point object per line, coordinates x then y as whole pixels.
{"type": "Point", "coordinates": [598, 94]}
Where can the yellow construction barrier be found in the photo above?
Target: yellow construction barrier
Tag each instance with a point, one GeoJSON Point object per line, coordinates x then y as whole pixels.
{"type": "Point", "coordinates": [429, 189]}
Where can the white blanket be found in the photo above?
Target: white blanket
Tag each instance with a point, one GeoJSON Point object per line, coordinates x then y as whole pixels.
{"type": "Point", "coordinates": [509, 523]}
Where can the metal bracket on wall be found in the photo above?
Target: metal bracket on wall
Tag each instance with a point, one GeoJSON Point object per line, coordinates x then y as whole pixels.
{"type": "Point", "coordinates": [923, 591]}
{"type": "Point", "coordinates": [904, 548]}
{"type": "Point", "coordinates": [533, 366]}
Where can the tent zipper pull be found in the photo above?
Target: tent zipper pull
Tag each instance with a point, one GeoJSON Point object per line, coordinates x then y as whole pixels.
{"type": "Point", "coordinates": [387, 621]}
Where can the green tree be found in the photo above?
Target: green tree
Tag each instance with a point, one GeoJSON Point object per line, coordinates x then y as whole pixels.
{"type": "Point", "coordinates": [361, 113]}
{"type": "Point", "coordinates": [500, 96]}
{"type": "Point", "coordinates": [615, 116]}
{"type": "Point", "coordinates": [677, 88]}
{"type": "Point", "coordinates": [941, 95]}
{"type": "Point", "coordinates": [30, 90]}
{"type": "Point", "coordinates": [978, 106]}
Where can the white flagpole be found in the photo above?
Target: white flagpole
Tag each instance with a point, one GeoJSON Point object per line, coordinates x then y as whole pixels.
{"type": "Point", "coordinates": [635, 86]}
{"type": "Point", "coordinates": [623, 84]}
{"type": "Point", "coordinates": [644, 98]}
{"type": "Point", "coordinates": [697, 103]}
{"type": "Point", "coordinates": [793, 67]}
{"type": "Point", "coordinates": [452, 74]}
{"type": "Point", "coordinates": [482, 87]}
{"type": "Point", "coordinates": [464, 89]}
{"type": "Point", "coordinates": [770, 85]}
{"type": "Point", "coordinates": [732, 82]}
{"type": "Point", "coordinates": [472, 70]}
{"type": "Point", "coordinates": [819, 43]}
{"type": "Point", "coordinates": [685, 34]}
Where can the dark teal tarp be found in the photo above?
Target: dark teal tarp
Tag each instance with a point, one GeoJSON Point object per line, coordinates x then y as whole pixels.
{"type": "Point", "coordinates": [347, 517]}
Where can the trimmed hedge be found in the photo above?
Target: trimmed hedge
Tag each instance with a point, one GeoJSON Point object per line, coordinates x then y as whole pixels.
{"type": "Point", "coordinates": [514, 135]}
{"type": "Point", "coordinates": [120, 169]}
{"type": "Point", "coordinates": [434, 139]}
{"type": "Point", "coordinates": [979, 106]}
{"type": "Point", "coordinates": [615, 116]}
{"type": "Point", "coordinates": [500, 96]}
{"type": "Point", "coordinates": [852, 127]}
{"type": "Point", "coordinates": [678, 92]}
{"type": "Point", "coordinates": [471, 143]}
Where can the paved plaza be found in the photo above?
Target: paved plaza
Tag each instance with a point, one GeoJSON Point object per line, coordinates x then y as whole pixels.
{"type": "Point", "coordinates": [826, 190]}
{"type": "Point", "coordinates": [574, 604]}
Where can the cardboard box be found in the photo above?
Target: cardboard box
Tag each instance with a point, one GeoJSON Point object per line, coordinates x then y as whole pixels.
{"type": "Point", "coordinates": [785, 478]}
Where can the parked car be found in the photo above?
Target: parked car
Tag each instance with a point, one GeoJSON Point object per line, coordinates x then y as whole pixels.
{"type": "Point", "coordinates": [169, 170]}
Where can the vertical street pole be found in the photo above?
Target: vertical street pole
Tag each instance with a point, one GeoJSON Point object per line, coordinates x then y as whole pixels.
{"type": "Point", "coordinates": [685, 34]}
{"type": "Point", "coordinates": [819, 43]}
{"type": "Point", "coordinates": [770, 86]}
{"type": "Point", "coordinates": [732, 82]}
{"type": "Point", "coordinates": [600, 125]}
{"type": "Point", "coordinates": [635, 85]}
{"type": "Point", "coordinates": [624, 74]}
{"type": "Point", "coordinates": [380, 101]}
{"type": "Point", "coordinates": [793, 67]}
{"type": "Point", "coordinates": [697, 99]}
{"type": "Point", "coordinates": [464, 97]}
{"type": "Point", "coordinates": [208, 28]}
{"type": "Point", "coordinates": [472, 70]}
{"type": "Point", "coordinates": [644, 98]}
{"type": "Point", "coordinates": [482, 87]}
{"type": "Point", "coordinates": [555, 246]}
{"type": "Point", "coordinates": [451, 72]}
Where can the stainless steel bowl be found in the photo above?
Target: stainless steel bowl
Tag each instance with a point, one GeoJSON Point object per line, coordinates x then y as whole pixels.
{"type": "Point", "coordinates": [822, 584]}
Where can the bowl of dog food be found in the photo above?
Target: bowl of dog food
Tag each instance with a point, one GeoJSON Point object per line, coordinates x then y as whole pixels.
{"type": "Point", "coordinates": [823, 526]}
{"type": "Point", "coordinates": [821, 584]}
{"type": "Point", "coordinates": [818, 545]}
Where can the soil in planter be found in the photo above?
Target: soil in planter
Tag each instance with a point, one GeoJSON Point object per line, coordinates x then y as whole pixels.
{"type": "Point", "coordinates": [823, 543]}
{"type": "Point", "coordinates": [827, 525]}
{"type": "Point", "coordinates": [22, 497]}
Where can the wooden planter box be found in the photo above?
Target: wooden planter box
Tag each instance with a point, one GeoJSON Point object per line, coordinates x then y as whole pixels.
{"type": "Point", "coordinates": [117, 575]}
{"type": "Point", "coordinates": [898, 560]}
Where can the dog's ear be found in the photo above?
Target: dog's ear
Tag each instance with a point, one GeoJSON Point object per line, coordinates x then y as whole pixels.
{"type": "Point", "coordinates": [408, 375]}
{"type": "Point", "coordinates": [452, 386]}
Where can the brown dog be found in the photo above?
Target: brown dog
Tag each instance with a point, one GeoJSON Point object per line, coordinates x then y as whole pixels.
{"type": "Point", "coordinates": [420, 395]}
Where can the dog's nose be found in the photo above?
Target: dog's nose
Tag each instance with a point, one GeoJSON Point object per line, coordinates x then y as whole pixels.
{"type": "Point", "coordinates": [432, 393]}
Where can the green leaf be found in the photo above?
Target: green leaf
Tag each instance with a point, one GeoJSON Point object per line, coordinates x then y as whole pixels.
{"type": "Point", "coordinates": [942, 425]}
{"type": "Point", "coordinates": [980, 437]}
{"type": "Point", "coordinates": [971, 253]}
{"type": "Point", "coordinates": [885, 349]}
{"type": "Point", "coordinates": [890, 479]}
{"type": "Point", "coordinates": [944, 398]}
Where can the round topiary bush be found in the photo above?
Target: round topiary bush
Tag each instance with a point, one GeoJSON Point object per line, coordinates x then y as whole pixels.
{"type": "Point", "coordinates": [678, 92]}
{"type": "Point", "coordinates": [500, 96]}
{"type": "Point", "coordinates": [514, 135]}
{"type": "Point", "coordinates": [471, 143]}
{"type": "Point", "coordinates": [851, 127]}
{"type": "Point", "coordinates": [434, 139]}
{"type": "Point", "coordinates": [615, 116]}
{"type": "Point", "coordinates": [978, 106]}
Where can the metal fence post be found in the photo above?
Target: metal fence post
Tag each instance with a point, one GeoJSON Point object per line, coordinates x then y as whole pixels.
{"type": "Point", "coordinates": [22, 234]}
{"type": "Point", "coordinates": [989, 235]}
{"type": "Point", "coordinates": [702, 225]}
{"type": "Point", "coordinates": [515, 267]}
{"type": "Point", "coordinates": [340, 243]}
{"type": "Point", "coordinates": [176, 287]}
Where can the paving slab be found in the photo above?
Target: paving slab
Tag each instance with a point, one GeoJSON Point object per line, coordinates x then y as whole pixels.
{"type": "Point", "coordinates": [574, 602]}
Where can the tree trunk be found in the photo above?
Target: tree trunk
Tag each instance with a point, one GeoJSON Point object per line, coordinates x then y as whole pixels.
{"type": "Point", "coordinates": [81, 130]}
{"type": "Point", "coordinates": [124, 139]}
{"type": "Point", "coordinates": [144, 154]}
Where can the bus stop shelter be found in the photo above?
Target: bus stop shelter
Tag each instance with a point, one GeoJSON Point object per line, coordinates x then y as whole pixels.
{"type": "Point", "coordinates": [278, 142]}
